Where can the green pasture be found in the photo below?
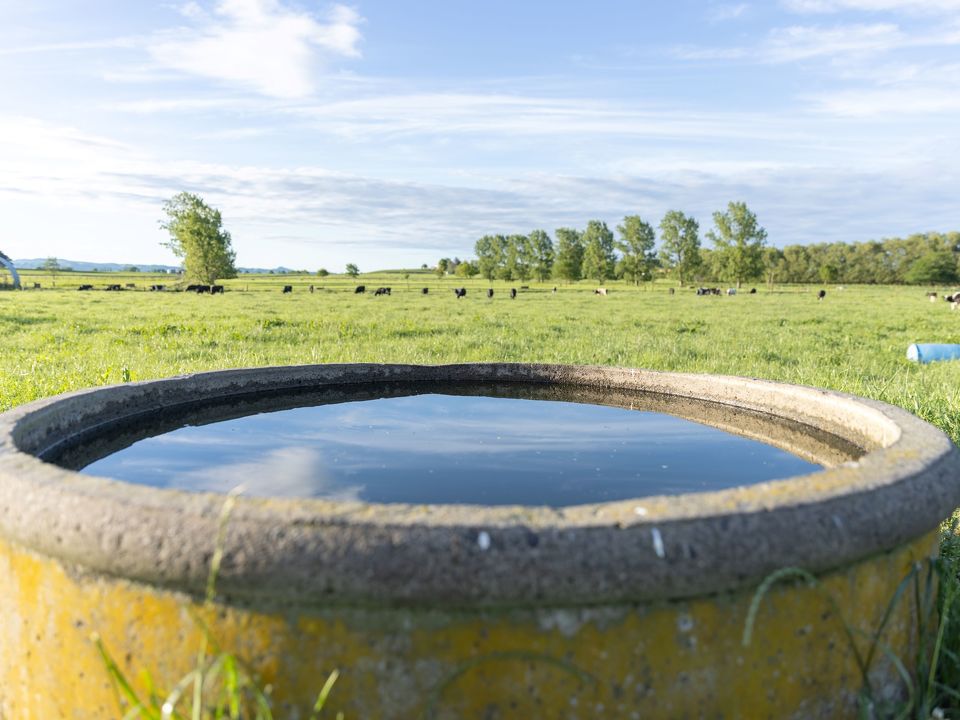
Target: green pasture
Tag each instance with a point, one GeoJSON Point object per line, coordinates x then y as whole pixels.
{"type": "Point", "coordinates": [855, 340]}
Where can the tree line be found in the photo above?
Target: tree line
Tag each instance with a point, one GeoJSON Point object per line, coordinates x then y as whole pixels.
{"type": "Point", "coordinates": [740, 253]}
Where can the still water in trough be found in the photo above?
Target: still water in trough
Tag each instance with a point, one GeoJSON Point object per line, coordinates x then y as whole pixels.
{"type": "Point", "coordinates": [490, 445]}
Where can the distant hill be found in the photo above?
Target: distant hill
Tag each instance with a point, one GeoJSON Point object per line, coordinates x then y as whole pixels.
{"type": "Point", "coordinates": [84, 266]}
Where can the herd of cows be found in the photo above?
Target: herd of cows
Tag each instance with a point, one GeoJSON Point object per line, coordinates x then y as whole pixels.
{"type": "Point", "coordinates": [460, 292]}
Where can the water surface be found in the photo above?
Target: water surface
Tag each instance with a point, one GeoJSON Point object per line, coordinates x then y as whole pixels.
{"type": "Point", "coordinates": [435, 447]}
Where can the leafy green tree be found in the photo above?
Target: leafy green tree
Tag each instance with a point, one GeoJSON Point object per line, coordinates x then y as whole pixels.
{"type": "Point", "coordinates": [519, 258]}
{"type": "Point", "coordinates": [680, 245]}
{"type": "Point", "coordinates": [935, 267]}
{"type": "Point", "coordinates": [568, 264]}
{"type": "Point", "coordinates": [772, 264]}
{"type": "Point", "coordinates": [636, 244]}
{"type": "Point", "coordinates": [52, 266]}
{"type": "Point", "coordinates": [598, 251]}
{"type": "Point", "coordinates": [322, 272]}
{"type": "Point", "coordinates": [739, 240]}
{"type": "Point", "coordinates": [352, 270]}
{"type": "Point", "coordinates": [467, 269]}
{"type": "Point", "coordinates": [198, 238]}
{"type": "Point", "coordinates": [490, 251]}
{"type": "Point", "coordinates": [443, 266]}
{"type": "Point", "coordinates": [541, 247]}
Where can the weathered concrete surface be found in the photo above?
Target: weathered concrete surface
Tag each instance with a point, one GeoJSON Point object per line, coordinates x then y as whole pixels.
{"type": "Point", "coordinates": [428, 593]}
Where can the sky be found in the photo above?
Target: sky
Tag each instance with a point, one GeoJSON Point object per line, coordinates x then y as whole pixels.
{"type": "Point", "coordinates": [390, 134]}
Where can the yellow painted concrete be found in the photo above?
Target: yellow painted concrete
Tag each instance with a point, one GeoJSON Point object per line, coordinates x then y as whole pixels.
{"type": "Point", "coordinates": [669, 660]}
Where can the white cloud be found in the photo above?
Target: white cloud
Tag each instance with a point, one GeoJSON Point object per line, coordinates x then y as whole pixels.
{"type": "Point", "coordinates": [720, 13]}
{"type": "Point", "coordinates": [259, 44]}
{"type": "Point", "coordinates": [910, 6]}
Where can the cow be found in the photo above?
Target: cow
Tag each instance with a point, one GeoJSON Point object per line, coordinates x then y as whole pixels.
{"type": "Point", "coordinates": [821, 295]}
{"type": "Point", "coordinates": [425, 291]}
{"type": "Point", "coordinates": [216, 289]}
{"type": "Point", "coordinates": [287, 289]}
{"type": "Point", "coordinates": [113, 288]}
{"type": "Point", "coordinates": [311, 289]}
{"type": "Point", "coordinates": [192, 288]}
{"type": "Point", "coordinates": [753, 291]}
{"type": "Point", "coordinates": [554, 289]}
{"type": "Point", "coordinates": [382, 291]}
{"type": "Point", "coordinates": [131, 286]}
{"type": "Point", "coordinates": [85, 287]}
{"type": "Point", "coordinates": [360, 289]}
{"type": "Point", "coordinates": [201, 289]}
{"type": "Point", "coordinates": [600, 291]}
{"type": "Point", "coordinates": [460, 292]}
{"type": "Point", "coordinates": [36, 286]}
{"type": "Point", "coordinates": [157, 288]}
{"type": "Point", "coordinates": [731, 291]}
{"type": "Point", "coordinates": [932, 296]}
{"type": "Point", "coordinates": [489, 292]}
{"type": "Point", "coordinates": [513, 293]}
{"type": "Point", "coordinates": [671, 291]}
{"type": "Point", "coordinates": [953, 299]}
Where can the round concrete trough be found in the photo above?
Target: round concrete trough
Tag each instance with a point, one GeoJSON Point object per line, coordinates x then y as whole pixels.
{"type": "Point", "coordinates": [630, 608]}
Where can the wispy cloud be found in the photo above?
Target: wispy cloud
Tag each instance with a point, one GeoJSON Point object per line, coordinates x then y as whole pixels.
{"type": "Point", "coordinates": [909, 6]}
{"type": "Point", "coordinates": [722, 13]}
{"type": "Point", "coordinates": [258, 44]}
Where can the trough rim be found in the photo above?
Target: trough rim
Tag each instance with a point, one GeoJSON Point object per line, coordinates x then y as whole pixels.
{"type": "Point", "coordinates": [309, 552]}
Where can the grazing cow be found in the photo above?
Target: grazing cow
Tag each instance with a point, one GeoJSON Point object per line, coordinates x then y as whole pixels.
{"type": "Point", "coordinates": [953, 299]}
{"type": "Point", "coordinates": [753, 291]}
{"type": "Point", "coordinates": [489, 292]}
{"type": "Point", "coordinates": [425, 291]}
{"type": "Point", "coordinates": [708, 291]}
{"type": "Point", "coordinates": [513, 293]}
{"type": "Point", "coordinates": [600, 291]}
{"type": "Point", "coordinates": [671, 291]}
{"type": "Point", "coordinates": [460, 292]}
{"type": "Point", "coordinates": [85, 287]}
{"type": "Point", "coordinates": [554, 289]}
{"type": "Point", "coordinates": [311, 288]}
{"type": "Point", "coordinates": [382, 291]}
{"type": "Point", "coordinates": [216, 289]}
{"type": "Point", "coordinates": [821, 295]}
{"type": "Point", "coordinates": [36, 286]}
{"type": "Point", "coordinates": [201, 289]}
{"type": "Point", "coordinates": [192, 288]}
{"type": "Point", "coordinates": [157, 288]}
{"type": "Point", "coordinates": [731, 291]}
{"type": "Point", "coordinates": [287, 289]}
{"type": "Point", "coordinates": [360, 289]}
{"type": "Point", "coordinates": [113, 288]}
{"type": "Point", "coordinates": [932, 296]}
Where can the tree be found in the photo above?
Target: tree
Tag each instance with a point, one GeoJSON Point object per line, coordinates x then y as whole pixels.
{"type": "Point", "coordinates": [322, 272]}
{"type": "Point", "coordinates": [443, 266]}
{"type": "Point", "coordinates": [935, 267]}
{"type": "Point", "coordinates": [352, 270]}
{"type": "Point", "coordinates": [52, 266]}
{"type": "Point", "coordinates": [598, 254]}
{"type": "Point", "coordinates": [198, 238]}
{"type": "Point", "coordinates": [680, 244]}
{"type": "Point", "coordinates": [772, 264]}
{"type": "Point", "coordinates": [490, 255]}
{"type": "Point", "coordinates": [518, 263]}
{"type": "Point", "coordinates": [541, 248]}
{"type": "Point", "coordinates": [467, 269]}
{"type": "Point", "coordinates": [637, 240]}
{"type": "Point", "coordinates": [739, 240]}
{"type": "Point", "coordinates": [568, 264]}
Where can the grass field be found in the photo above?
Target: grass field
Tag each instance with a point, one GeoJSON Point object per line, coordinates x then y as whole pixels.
{"type": "Point", "coordinates": [55, 340]}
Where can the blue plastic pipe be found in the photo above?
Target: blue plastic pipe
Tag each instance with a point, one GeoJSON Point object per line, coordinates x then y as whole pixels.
{"type": "Point", "coordinates": [932, 352]}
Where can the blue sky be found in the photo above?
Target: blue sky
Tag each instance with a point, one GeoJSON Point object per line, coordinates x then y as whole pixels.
{"type": "Point", "coordinates": [393, 133]}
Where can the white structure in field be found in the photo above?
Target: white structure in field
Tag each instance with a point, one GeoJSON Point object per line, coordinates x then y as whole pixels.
{"type": "Point", "coordinates": [7, 263]}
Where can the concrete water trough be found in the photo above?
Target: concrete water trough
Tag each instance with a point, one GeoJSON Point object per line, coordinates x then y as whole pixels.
{"type": "Point", "coordinates": [630, 608]}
